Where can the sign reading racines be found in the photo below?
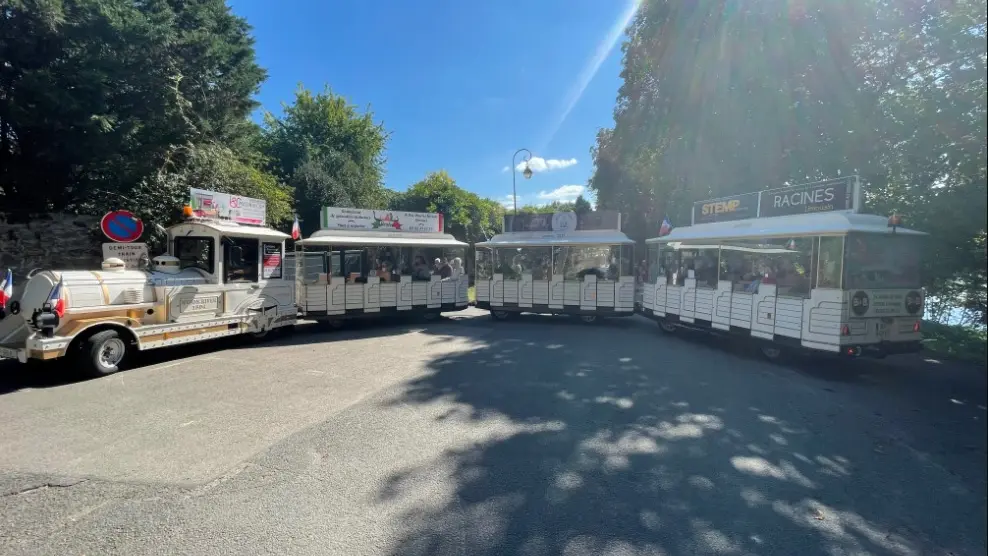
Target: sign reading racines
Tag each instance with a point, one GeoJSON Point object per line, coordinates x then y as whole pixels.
{"type": "Point", "coordinates": [823, 196]}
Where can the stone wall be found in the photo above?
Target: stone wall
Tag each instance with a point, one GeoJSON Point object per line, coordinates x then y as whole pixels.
{"type": "Point", "coordinates": [49, 241]}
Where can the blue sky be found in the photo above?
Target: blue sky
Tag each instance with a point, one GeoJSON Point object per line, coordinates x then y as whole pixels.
{"type": "Point", "coordinates": [461, 85]}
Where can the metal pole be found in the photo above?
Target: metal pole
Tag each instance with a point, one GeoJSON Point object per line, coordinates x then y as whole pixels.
{"type": "Point", "coordinates": [514, 191]}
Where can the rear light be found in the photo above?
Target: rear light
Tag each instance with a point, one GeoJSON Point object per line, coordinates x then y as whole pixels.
{"type": "Point", "coordinates": [845, 330]}
{"type": "Point", "coordinates": [853, 351]}
{"type": "Point", "coordinates": [916, 326]}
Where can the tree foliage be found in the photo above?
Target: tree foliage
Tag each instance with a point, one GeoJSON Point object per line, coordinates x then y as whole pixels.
{"type": "Point", "coordinates": [466, 216]}
{"type": "Point", "coordinates": [98, 96]}
{"type": "Point", "coordinates": [726, 97]}
{"type": "Point", "coordinates": [331, 154]}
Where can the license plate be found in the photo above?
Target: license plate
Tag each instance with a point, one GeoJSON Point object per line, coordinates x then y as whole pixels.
{"type": "Point", "coordinates": [7, 352]}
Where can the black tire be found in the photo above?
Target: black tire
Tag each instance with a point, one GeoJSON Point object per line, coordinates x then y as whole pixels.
{"type": "Point", "coordinates": [589, 319]}
{"type": "Point", "coordinates": [666, 326]}
{"type": "Point", "coordinates": [104, 353]}
{"type": "Point", "coordinates": [500, 315]}
{"type": "Point", "coordinates": [431, 316]}
{"type": "Point", "coordinates": [772, 352]}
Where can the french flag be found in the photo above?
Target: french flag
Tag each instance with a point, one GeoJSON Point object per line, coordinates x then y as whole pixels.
{"type": "Point", "coordinates": [296, 229]}
{"type": "Point", "coordinates": [57, 303]}
{"type": "Point", "coordinates": [6, 289]}
{"type": "Point", "coordinates": [665, 228]}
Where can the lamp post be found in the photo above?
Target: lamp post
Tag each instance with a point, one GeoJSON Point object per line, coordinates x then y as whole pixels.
{"type": "Point", "coordinates": [527, 172]}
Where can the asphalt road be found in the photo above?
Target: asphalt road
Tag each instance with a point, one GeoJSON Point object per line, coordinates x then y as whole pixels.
{"type": "Point", "coordinates": [467, 436]}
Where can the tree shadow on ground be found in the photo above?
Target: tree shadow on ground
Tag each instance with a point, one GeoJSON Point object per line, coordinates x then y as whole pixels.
{"type": "Point", "coordinates": [618, 446]}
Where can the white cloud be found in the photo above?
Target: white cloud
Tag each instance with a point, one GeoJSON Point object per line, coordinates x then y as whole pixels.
{"type": "Point", "coordinates": [563, 193]}
{"type": "Point", "coordinates": [539, 164]}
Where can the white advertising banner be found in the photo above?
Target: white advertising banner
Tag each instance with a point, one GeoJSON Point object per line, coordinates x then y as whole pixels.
{"type": "Point", "coordinates": [130, 253]}
{"type": "Point", "coordinates": [335, 218]}
{"type": "Point", "coordinates": [223, 206]}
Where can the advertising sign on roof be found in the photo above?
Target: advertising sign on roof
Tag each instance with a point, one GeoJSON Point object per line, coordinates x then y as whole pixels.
{"type": "Point", "coordinates": [224, 206]}
{"type": "Point", "coordinates": [563, 221]}
{"type": "Point", "coordinates": [823, 196]}
{"type": "Point", "coordinates": [338, 218]}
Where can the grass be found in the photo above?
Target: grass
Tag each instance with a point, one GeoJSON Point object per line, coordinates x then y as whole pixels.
{"type": "Point", "coordinates": [963, 343]}
{"type": "Point", "coordinates": [472, 294]}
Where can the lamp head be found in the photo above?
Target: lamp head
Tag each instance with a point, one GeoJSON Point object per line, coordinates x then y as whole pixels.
{"type": "Point", "coordinates": [527, 172]}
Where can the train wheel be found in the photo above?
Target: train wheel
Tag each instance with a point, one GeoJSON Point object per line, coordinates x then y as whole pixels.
{"type": "Point", "coordinates": [771, 352]}
{"type": "Point", "coordinates": [667, 326]}
{"type": "Point", "coordinates": [500, 315]}
{"type": "Point", "coordinates": [105, 353]}
{"type": "Point", "coordinates": [589, 319]}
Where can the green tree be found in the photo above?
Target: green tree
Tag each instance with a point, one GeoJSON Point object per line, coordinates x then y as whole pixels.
{"type": "Point", "coordinates": [581, 205]}
{"type": "Point", "coordinates": [98, 95]}
{"type": "Point", "coordinates": [331, 154]}
{"type": "Point", "coordinates": [466, 215]}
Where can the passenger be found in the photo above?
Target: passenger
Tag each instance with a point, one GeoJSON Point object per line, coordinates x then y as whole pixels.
{"type": "Point", "coordinates": [457, 267]}
{"type": "Point", "coordinates": [445, 271]}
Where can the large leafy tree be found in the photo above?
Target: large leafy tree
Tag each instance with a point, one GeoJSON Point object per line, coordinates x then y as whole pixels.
{"type": "Point", "coordinates": [330, 152]}
{"type": "Point", "coordinates": [723, 97]}
{"type": "Point", "coordinates": [98, 96]}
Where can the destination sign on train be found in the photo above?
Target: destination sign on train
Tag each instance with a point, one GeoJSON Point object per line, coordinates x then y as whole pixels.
{"type": "Point", "coordinates": [563, 221]}
{"type": "Point", "coordinates": [802, 199]}
{"type": "Point", "coordinates": [340, 218]}
{"type": "Point", "coordinates": [735, 207]}
{"type": "Point", "coordinates": [824, 196]}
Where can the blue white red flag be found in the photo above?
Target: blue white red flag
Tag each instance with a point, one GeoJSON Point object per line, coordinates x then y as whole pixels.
{"type": "Point", "coordinates": [6, 288]}
{"type": "Point", "coordinates": [665, 228]}
{"type": "Point", "coordinates": [57, 303]}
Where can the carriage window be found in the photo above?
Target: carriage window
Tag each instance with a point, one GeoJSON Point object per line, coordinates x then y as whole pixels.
{"type": "Point", "coordinates": [652, 260]}
{"type": "Point", "coordinates": [705, 268]}
{"type": "Point", "coordinates": [240, 259]}
{"type": "Point", "coordinates": [792, 265]}
{"type": "Point", "coordinates": [876, 261]}
{"type": "Point", "coordinates": [195, 252]}
{"type": "Point", "coordinates": [829, 262]}
{"type": "Point", "coordinates": [737, 265]}
{"type": "Point", "coordinates": [621, 262]}
{"type": "Point", "coordinates": [421, 262]}
{"type": "Point", "coordinates": [669, 267]}
{"type": "Point", "coordinates": [384, 263]}
{"type": "Point", "coordinates": [575, 262]}
{"type": "Point", "coordinates": [514, 262]}
{"type": "Point", "coordinates": [485, 264]}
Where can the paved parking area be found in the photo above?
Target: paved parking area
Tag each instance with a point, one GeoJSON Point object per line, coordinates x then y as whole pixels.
{"type": "Point", "coordinates": [466, 436]}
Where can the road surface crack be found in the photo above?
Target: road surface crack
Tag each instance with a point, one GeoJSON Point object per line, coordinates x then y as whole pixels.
{"type": "Point", "coordinates": [43, 486]}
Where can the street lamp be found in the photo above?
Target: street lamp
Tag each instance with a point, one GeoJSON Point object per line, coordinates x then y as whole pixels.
{"type": "Point", "coordinates": [527, 172]}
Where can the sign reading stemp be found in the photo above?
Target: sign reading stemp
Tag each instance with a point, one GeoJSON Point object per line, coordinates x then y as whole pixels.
{"type": "Point", "coordinates": [735, 207]}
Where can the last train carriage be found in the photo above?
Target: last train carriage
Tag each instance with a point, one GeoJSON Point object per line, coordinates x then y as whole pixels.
{"type": "Point", "coordinates": [562, 263]}
{"type": "Point", "coordinates": [365, 263]}
{"type": "Point", "coordinates": [792, 268]}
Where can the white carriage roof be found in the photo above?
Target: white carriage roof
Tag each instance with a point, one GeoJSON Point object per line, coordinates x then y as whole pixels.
{"type": "Point", "coordinates": [397, 239]}
{"type": "Point", "coordinates": [234, 229]}
{"type": "Point", "coordinates": [541, 239]}
{"type": "Point", "coordinates": [824, 223]}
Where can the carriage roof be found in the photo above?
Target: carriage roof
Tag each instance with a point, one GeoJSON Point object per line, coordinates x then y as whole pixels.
{"type": "Point", "coordinates": [819, 224]}
{"type": "Point", "coordinates": [548, 239]}
{"type": "Point", "coordinates": [384, 239]}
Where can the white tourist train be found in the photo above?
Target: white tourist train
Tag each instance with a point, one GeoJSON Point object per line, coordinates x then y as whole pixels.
{"type": "Point", "coordinates": [794, 268]}
{"type": "Point", "coordinates": [562, 263]}
{"type": "Point", "coordinates": [221, 276]}
{"type": "Point", "coordinates": [377, 263]}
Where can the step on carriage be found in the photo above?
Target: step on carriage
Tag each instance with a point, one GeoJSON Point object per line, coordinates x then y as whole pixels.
{"type": "Point", "coordinates": [796, 268]}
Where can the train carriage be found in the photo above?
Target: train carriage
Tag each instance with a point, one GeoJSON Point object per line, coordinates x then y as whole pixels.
{"type": "Point", "coordinates": [793, 268]}
{"type": "Point", "coordinates": [374, 263]}
{"type": "Point", "coordinates": [562, 263]}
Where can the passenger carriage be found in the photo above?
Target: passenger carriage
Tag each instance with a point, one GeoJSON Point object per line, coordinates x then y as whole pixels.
{"type": "Point", "coordinates": [378, 263]}
{"type": "Point", "coordinates": [797, 267]}
{"type": "Point", "coordinates": [562, 263]}
{"type": "Point", "coordinates": [220, 277]}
